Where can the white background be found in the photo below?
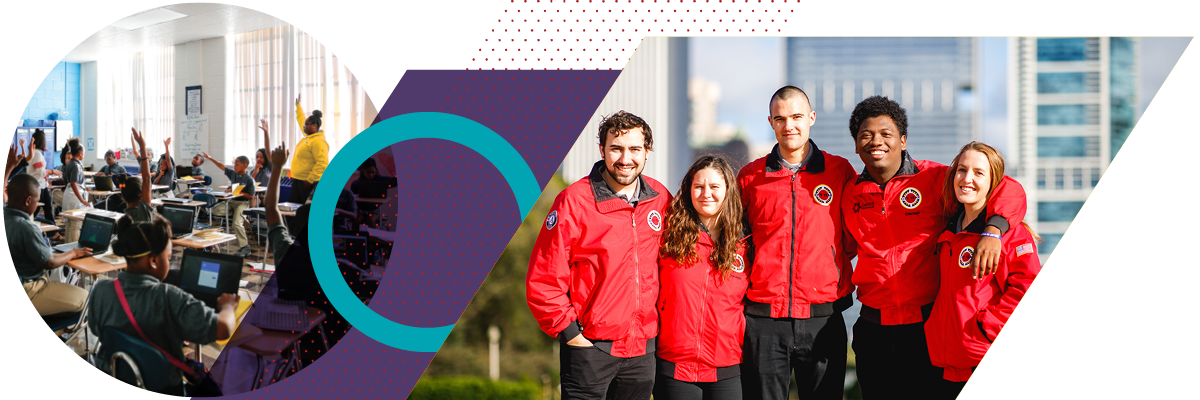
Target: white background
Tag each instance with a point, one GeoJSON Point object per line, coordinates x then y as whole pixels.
{"type": "Point", "coordinates": [1109, 317]}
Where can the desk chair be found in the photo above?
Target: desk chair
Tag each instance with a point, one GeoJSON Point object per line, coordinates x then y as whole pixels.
{"type": "Point", "coordinates": [137, 363]}
{"type": "Point", "coordinates": [62, 321]}
{"type": "Point", "coordinates": [209, 202]}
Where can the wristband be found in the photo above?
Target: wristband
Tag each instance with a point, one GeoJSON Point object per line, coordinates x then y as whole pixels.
{"type": "Point", "coordinates": [991, 235]}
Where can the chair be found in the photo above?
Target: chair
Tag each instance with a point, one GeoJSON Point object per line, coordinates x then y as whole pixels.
{"type": "Point", "coordinates": [62, 321]}
{"type": "Point", "coordinates": [134, 362]}
{"type": "Point", "coordinates": [209, 201]}
{"type": "Point", "coordinates": [207, 180]}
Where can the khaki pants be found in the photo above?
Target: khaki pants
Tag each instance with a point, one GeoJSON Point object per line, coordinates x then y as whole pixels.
{"type": "Point", "coordinates": [51, 298]}
{"type": "Point", "coordinates": [235, 209]}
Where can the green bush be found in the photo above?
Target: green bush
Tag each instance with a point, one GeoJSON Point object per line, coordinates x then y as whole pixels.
{"type": "Point", "coordinates": [473, 388]}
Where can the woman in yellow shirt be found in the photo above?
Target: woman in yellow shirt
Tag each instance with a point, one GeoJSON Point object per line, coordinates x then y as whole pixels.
{"type": "Point", "coordinates": [311, 155]}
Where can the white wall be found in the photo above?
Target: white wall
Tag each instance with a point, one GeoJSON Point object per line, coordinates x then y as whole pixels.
{"type": "Point", "coordinates": [202, 62]}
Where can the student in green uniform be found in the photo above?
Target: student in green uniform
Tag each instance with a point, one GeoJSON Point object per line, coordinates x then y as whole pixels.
{"type": "Point", "coordinates": [166, 314]}
{"type": "Point", "coordinates": [33, 257]}
{"type": "Point", "coordinates": [136, 191]}
{"type": "Point", "coordinates": [237, 176]}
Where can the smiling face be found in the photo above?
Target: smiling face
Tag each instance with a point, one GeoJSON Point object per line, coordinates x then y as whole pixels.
{"type": "Point", "coordinates": [708, 193]}
{"type": "Point", "coordinates": [879, 144]}
{"type": "Point", "coordinates": [972, 179]}
{"type": "Point", "coordinates": [625, 155]}
{"type": "Point", "coordinates": [791, 120]}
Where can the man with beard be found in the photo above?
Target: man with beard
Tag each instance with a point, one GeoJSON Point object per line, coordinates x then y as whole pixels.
{"type": "Point", "coordinates": [593, 274]}
{"type": "Point", "coordinates": [800, 283]}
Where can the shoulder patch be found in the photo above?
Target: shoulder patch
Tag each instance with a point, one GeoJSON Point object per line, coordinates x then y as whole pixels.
{"type": "Point", "coordinates": [739, 264]}
{"type": "Point", "coordinates": [552, 220]}
{"type": "Point", "coordinates": [1024, 249]}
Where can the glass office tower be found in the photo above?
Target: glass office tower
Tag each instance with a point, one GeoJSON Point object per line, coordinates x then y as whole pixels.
{"type": "Point", "coordinates": [1072, 104]}
{"type": "Point", "coordinates": [934, 79]}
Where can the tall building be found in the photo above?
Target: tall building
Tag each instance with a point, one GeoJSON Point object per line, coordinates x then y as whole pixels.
{"type": "Point", "coordinates": [704, 130]}
{"type": "Point", "coordinates": [653, 86]}
{"type": "Point", "coordinates": [1072, 104]}
{"type": "Point", "coordinates": [934, 79]}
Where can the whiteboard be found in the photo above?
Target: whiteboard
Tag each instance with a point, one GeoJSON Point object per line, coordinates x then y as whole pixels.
{"type": "Point", "coordinates": [192, 136]}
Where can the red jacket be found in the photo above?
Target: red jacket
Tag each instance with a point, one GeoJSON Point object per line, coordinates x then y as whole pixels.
{"type": "Point", "coordinates": [594, 266]}
{"type": "Point", "coordinates": [968, 314]}
{"type": "Point", "coordinates": [895, 230]}
{"type": "Point", "coordinates": [801, 265]}
{"type": "Point", "coordinates": [702, 316]}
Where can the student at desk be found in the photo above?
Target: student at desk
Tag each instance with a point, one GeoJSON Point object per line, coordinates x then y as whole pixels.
{"type": "Point", "coordinates": [294, 272]}
{"type": "Point", "coordinates": [237, 176]}
{"type": "Point", "coordinates": [262, 167]}
{"type": "Point", "coordinates": [163, 314]}
{"type": "Point", "coordinates": [369, 172]}
{"type": "Point", "coordinates": [136, 191]}
{"type": "Point", "coordinates": [111, 167]}
{"type": "Point", "coordinates": [33, 257]}
{"type": "Point", "coordinates": [165, 175]}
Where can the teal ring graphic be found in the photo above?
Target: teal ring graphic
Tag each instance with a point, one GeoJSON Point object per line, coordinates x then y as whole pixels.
{"type": "Point", "coordinates": [425, 125]}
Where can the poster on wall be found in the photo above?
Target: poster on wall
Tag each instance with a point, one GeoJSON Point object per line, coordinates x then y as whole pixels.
{"type": "Point", "coordinates": [193, 101]}
{"type": "Point", "coordinates": [193, 135]}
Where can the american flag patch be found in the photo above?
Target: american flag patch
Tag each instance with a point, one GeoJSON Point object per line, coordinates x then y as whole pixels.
{"type": "Point", "coordinates": [1024, 249]}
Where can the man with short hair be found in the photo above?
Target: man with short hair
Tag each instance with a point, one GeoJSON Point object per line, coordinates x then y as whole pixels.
{"type": "Point", "coordinates": [33, 257]}
{"type": "Point", "coordinates": [239, 180]}
{"type": "Point", "coordinates": [800, 281]}
{"type": "Point", "coordinates": [894, 211]}
{"type": "Point", "coordinates": [593, 274]}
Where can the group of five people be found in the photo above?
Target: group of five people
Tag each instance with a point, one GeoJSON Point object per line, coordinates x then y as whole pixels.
{"type": "Point", "coordinates": [736, 284]}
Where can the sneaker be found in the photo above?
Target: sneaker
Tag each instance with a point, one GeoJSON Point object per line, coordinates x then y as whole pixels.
{"type": "Point", "coordinates": [242, 252]}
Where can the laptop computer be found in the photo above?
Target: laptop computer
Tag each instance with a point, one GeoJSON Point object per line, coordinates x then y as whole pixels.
{"type": "Point", "coordinates": [103, 183]}
{"type": "Point", "coordinates": [182, 171]}
{"type": "Point", "coordinates": [174, 200]}
{"type": "Point", "coordinates": [96, 233]}
{"type": "Point", "coordinates": [181, 219]}
{"type": "Point", "coordinates": [281, 315]}
{"type": "Point", "coordinates": [373, 190]}
{"type": "Point", "coordinates": [206, 276]}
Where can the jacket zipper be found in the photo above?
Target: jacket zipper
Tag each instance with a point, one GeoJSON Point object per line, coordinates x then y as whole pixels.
{"type": "Point", "coordinates": [792, 254]}
{"type": "Point", "coordinates": [703, 309]}
{"type": "Point", "coordinates": [637, 272]}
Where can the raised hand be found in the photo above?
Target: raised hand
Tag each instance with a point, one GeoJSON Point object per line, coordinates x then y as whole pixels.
{"type": "Point", "coordinates": [280, 155]}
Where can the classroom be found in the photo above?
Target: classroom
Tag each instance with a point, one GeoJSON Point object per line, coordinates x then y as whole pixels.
{"type": "Point", "coordinates": [216, 121]}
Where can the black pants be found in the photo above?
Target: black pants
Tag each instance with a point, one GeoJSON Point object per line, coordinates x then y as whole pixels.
{"type": "Point", "coordinates": [299, 192]}
{"type": "Point", "coordinates": [892, 362]}
{"type": "Point", "coordinates": [590, 373]}
{"type": "Point", "coordinates": [48, 208]}
{"type": "Point", "coordinates": [814, 349]}
{"type": "Point", "coordinates": [668, 388]}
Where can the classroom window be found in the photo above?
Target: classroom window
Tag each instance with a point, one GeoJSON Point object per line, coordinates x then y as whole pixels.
{"type": "Point", "coordinates": [270, 68]}
{"type": "Point", "coordinates": [135, 91]}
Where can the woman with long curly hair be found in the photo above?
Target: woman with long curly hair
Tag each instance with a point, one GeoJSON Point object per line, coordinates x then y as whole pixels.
{"type": "Point", "coordinates": [703, 270]}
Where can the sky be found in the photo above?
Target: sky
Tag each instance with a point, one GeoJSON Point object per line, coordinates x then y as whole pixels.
{"type": "Point", "coordinates": [750, 69]}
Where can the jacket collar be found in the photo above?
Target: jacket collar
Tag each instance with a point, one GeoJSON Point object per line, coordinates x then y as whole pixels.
{"type": "Point", "coordinates": [815, 164]}
{"type": "Point", "coordinates": [907, 167]}
{"type": "Point", "coordinates": [605, 195]}
{"type": "Point", "coordinates": [977, 226]}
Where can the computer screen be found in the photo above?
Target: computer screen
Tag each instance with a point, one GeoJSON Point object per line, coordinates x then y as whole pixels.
{"type": "Point", "coordinates": [96, 232]}
{"type": "Point", "coordinates": [206, 275]}
{"type": "Point", "coordinates": [180, 218]}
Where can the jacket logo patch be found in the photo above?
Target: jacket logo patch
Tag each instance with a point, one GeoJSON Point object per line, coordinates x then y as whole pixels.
{"type": "Point", "coordinates": [910, 198]}
{"type": "Point", "coordinates": [823, 195]}
{"type": "Point", "coordinates": [965, 256]}
{"type": "Point", "coordinates": [655, 220]}
{"type": "Point", "coordinates": [552, 220]}
{"type": "Point", "coordinates": [859, 206]}
{"type": "Point", "coordinates": [739, 264]}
